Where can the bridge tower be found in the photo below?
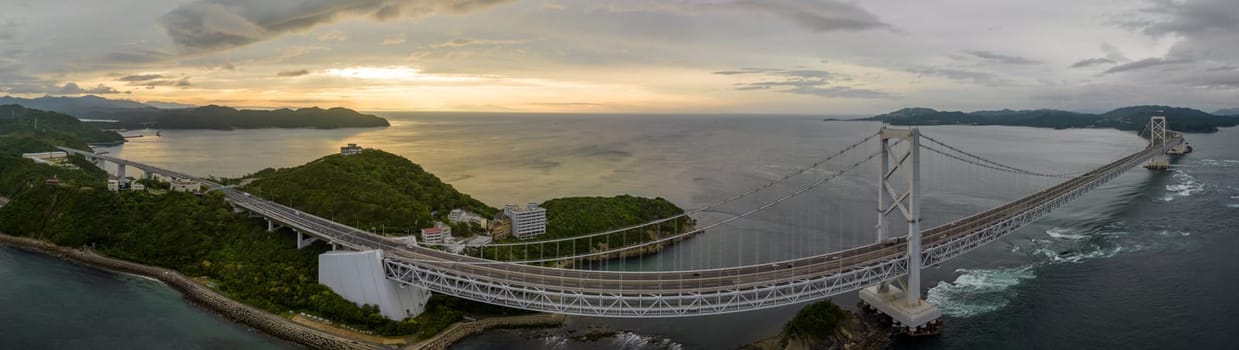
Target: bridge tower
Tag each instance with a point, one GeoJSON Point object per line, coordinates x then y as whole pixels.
{"type": "Point", "coordinates": [1157, 138]}
{"type": "Point", "coordinates": [902, 303]}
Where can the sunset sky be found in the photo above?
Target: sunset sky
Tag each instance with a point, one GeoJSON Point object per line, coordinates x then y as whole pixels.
{"type": "Point", "coordinates": [743, 56]}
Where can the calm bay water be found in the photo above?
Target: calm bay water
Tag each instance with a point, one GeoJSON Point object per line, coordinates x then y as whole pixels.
{"type": "Point", "coordinates": [1142, 262]}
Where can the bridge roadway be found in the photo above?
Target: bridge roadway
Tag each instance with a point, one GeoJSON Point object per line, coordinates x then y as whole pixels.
{"type": "Point", "coordinates": [675, 293]}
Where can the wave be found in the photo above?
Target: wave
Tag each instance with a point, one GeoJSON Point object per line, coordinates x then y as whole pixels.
{"type": "Point", "coordinates": [1233, 205]}
{"type": "Point", "coordinates": [1215, 163]}
{"type": "Point", "coordinates": [1063, 233]}
{"type": "Point", "coordinates": [980, 291]}
{"type": "Point", "coordinates": [630, 340]}
{"type": "Point", "coordinates": [1185, 186]}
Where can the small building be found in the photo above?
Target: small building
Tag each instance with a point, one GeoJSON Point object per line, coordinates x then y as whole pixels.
{"type": "Point", "coordinates": [186, 185]}
{"type": "Point", "coordinates": [113, 185]}
{"type": "Point", "coordinates": [457, 216]}
{"type": "Point", "coordinates": [54, 181]}
{"type": "Point", "coordinates": [527, 222]}
{"type": "Point", "coordinates": [351, 149]}
{"type": "Point", "coordinates": [137, 187]}
{"type": "Point", "coordinates": [437, 234]}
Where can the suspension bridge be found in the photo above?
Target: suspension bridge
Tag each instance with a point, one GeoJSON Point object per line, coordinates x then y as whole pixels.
{"type": "Point", "coordinates": [592, 274]}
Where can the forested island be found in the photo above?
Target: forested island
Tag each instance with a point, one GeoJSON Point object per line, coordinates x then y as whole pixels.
{"type": "Point", "coordinates": [1133, 118]}
{"type": "Point", "coordinates": [227, 118]}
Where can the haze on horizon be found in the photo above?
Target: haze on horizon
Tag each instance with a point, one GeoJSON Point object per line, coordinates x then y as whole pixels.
{"type": "Point", "coordinates": [685, 56]}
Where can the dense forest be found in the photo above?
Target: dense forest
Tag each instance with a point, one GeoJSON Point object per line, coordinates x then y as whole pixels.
{"type": "Point", "coordinates": [372, 190]}
{"type": "Point", "coordinates": [1127, 118]}
{"type": "Point", "coordinates": [226, 118]}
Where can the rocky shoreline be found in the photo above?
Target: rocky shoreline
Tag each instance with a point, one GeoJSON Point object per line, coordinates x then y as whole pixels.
{"type": "Point", "coordinates": [866, 331]}
{"type": "Point", "coordinates": [198, 294]}
{"type": "Point", "coordinates": [462, 330]}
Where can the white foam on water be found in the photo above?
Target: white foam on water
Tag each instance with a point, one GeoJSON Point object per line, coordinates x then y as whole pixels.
{"type": "Point", "coordinates": [1233, 205]}
{"type": "Point", "coordinates": [633, 341]}
{"type": "Point", "coordinates": [1063, 233]}
{"type": "Point", "coordinates": [557, 341]}
{"type": "Point", "coordinates": [977, 292]}
{"type": "Point", "coordinates": [1186, 186]}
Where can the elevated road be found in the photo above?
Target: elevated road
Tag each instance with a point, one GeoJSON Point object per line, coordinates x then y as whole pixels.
{"type": "Point", "coordinates": [675, 293]}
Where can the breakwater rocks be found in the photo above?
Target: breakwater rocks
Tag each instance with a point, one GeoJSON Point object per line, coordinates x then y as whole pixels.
{"type": "Point", "coordinates": [201, 295]}
{"type": "Point", "coordinates": [461, 330]}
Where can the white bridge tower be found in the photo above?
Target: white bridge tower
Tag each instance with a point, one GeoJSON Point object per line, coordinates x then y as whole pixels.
{"type": "Point", "coordinates": [902, 302]}
{"type": "Point", "coordinates": [1157, 138]}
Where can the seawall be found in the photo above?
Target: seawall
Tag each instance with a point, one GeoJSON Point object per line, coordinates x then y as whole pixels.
{"type": "Point", "coordinates": [201, 295]}
{"type": "Point", "coordinates": [461, 330]}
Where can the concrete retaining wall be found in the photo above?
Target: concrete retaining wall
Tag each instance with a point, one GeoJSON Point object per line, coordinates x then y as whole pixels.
{"type": "Point", "coordinates": [461, 330]}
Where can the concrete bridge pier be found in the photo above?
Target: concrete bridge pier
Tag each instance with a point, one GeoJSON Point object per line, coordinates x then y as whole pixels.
{"type": "Point", "coordinates": [272, 226]}
{"type": "Point", "coordinates": [120, 173]}
{"type": "Point", "coordinates": [303, 240]}
{"type": "Point", "coordinates": [360, 277]}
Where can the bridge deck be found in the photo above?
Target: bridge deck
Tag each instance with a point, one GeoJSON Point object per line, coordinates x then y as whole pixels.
{"type": "Point", "coordinates": [675, 293]}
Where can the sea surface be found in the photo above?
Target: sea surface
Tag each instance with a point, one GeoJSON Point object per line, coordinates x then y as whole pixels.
{"type": "Point", "coordinates": [1145, 261]}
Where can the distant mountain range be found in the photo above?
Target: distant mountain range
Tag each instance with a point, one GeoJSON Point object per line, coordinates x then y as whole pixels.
{"type": "Point", "coordinates": [1228, 111]}
{"type": "Point", "coordinates": [1126, 118]}
{"type": "Point", "coordinates": [171, 115]}
{"type": "Point", "coordinates": [81, 107]}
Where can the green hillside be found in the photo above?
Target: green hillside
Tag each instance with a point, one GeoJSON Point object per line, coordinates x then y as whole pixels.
{"type": "Point", "coordinates": [30, 130]}
{"type": "Point", "coordinates": [1132, 118]}
{"type": "Point", "coordinates": [372, 189]}
{"type": "Point", "coordinates": [225, 118]}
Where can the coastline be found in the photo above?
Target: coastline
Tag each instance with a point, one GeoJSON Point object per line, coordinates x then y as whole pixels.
{"type": "Point", "coordinates": [198, 294]}
{"type": "Point", "coordinates": [274, 325]}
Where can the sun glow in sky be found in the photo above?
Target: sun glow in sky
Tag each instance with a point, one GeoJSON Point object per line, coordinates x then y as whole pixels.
{"type": "Point", "coordinates": [684, 56]}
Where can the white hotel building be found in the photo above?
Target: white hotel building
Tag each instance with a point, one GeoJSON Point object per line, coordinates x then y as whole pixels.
{"type": "Point", "coordinates": [527, 222]}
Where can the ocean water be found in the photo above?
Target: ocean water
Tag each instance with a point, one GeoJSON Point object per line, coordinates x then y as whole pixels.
{"type": "Point", "coordinates": [1141, 262]}
{"type": "Point", "coordinates": [47, 303]}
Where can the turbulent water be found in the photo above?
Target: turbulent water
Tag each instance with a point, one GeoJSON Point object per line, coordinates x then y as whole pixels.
{"type": "Point", "coordinates": [1141, 262]}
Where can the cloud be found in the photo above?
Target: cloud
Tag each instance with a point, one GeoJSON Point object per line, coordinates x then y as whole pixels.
{"type": "Point", "coordinates": [455, 43]}
{"type": "Point", "coordinates": [983, 78]}
{"type": "Point", "coordinates": [821, 16]}
{"type": "Point", "coordinates": [1189, 18]}
{"type": "Point", "coordinates": [73, 89]}
{"type": "Point", "coordinates": [212, 25]}
{"type": "Point", "coordinates": [140, 77]}
{"type": "Point", "coordinates": [8, 29]}
{"type": "Point", "coordinates": [151, 84]}
{"type": "Point", "coordinates": [1145, 63]}
{"type": "Point", "coordinates": [1089, 62]}
{"type": "Point", "coordinates": [333, 35]}
{"type": "Point", "coordinates": [292, 73]}
{"type": "Point", "coordinates": [801, 82]}
{"type": "Point", "coordinates": [1000, 58]}
{"type": "Point", "coordinates": [393, 41]}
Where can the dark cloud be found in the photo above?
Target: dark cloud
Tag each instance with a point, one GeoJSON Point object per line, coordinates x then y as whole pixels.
{"type": "Point", "coordinates": [1145, 63]}
{"type": "Point", "coordinates": [1189, 18]}
{"type": "Point", "coordinates": [819, 16]}
{"type": "Point", "coordinates": [292, 73]}
{"type": "Point", "coordinates": [73, 89]}
{"type": "Point", "coordinates": [455, 43]}
{"type": "Point", "coordinates": [209, 25]}
{"type": "Point", "coordinates": [151, 84]}
{"type": "Point", "coordinates": [140, 77]}
{"type": "Point", "coordinates": [138, 56]}
{"type": "Point", "coordinates": [983, 78]}
{"type": "Point", "coordinates": [801, 82]}
{"type": "Point", "coordinates": [1089, 62]}
{"type": "Point", "coordinates": [8, 29]}
{"type": "Point", "coordinates": [1000, 58]}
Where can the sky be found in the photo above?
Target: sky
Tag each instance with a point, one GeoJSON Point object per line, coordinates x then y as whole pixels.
{"type": "Point", "coordinates": [847, 57]}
